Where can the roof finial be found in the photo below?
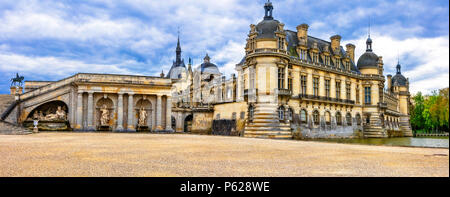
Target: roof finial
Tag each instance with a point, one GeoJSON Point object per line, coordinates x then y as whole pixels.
{"type": "Point", "coordinates": [268, 8]}
{"type": "Point", "coordinates": [369, 26]}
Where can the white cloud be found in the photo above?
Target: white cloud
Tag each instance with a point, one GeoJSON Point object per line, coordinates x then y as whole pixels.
{"type": "Point", "coordinates": [425, 61]}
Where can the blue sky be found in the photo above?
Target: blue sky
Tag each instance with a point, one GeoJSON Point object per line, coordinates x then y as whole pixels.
{"type": "Point", "coordinates": [51, 40]}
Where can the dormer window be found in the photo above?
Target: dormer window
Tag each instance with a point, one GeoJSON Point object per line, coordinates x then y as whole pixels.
{"type": "Point", "coordinates": [303, 54]}
{"type": "Point", "coordinates": [327, 60]}
{"type": "Point", "coordinates": [281, 43]}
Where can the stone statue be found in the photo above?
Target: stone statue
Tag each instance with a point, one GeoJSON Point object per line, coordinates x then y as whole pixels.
{"type": "Point", "coordinates": [17, 80]}
{"type": "Point", "coordinates": [104, 119]}
{"type": "Point", "coordinates": [61, 114]}
{"type": "Point", "coordinates": [41, 116]}
{"type": "Point", "coordinates": [142, 117]}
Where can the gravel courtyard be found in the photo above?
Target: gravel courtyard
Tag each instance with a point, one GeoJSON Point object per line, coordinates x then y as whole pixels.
{"type": "Point", "coordinates": [114, 154]}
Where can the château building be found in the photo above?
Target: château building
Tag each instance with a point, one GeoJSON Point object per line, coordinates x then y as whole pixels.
{"type": "Point", "coordinates": [288, 84]}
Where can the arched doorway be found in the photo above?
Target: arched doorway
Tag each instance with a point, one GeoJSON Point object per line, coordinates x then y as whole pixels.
{"type": "Point", "coordinates": [188, 123]}
{"type": "Point", "coordinates": [52, 116]}
{"type": "Point", "coordinates": [174, 123]}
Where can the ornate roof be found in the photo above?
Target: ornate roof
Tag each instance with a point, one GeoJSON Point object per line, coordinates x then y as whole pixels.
{"type": "Point", "coordinates": [267, 27]}
{"type": "Point", "coordinates": [178, 66]}
{"type": "Point", "coordinates": [208, 67]}
{"type": "Point", "coordinates": [399, 79]}
{"type": "Point", "coordinates": [369, 59]}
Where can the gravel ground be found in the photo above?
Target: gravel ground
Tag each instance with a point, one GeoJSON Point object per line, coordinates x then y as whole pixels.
{"type": "Point", "coordinates": [112, 154]}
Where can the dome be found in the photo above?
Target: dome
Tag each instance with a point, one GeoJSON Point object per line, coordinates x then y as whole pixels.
{"type": "Point", "coordinates": [368, 60]}
{"type": "Point", "coordinates": [176, 72]}
{"type": "Point", "coordinates": [267, 28]}
{"type": "Point", "coordinates": [398, 80]}
{"type": "Point", "coordinates": [208, 67]}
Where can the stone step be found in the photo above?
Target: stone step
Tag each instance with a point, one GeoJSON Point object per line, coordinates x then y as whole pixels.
{"type": "Point", "coordinates": [268, 136]}
{"type": "Point", "coordinates": [287, 129]}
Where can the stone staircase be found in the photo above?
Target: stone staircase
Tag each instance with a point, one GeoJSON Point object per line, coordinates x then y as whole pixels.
{"type": "Point", "coordinates": [374, 129]}
{"type": "Point", "coordinates": [265, 124]}
{"type": "Point", "coordinates": [5, 101]}
{"type": "Point", "coordinates": [405, 127]}
{"type": "Point", "coordinates": [8, 128]}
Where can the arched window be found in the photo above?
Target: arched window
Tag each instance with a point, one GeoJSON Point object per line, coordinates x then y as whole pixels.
{"type": "Point", "coordinates": [327, 117]}
{"type": "Point", "coordinates": [303, 116]}
{"type": "Point", "coordinates": [316, 117]}
{"type": "Point", "coordinates": [358, 119]}
{"type": "Point", "coordinates": [281, 113]}
{"type": "Point", "coordinates": [338, 118]}
{"type": "Point", "coordinates": [348, 118]}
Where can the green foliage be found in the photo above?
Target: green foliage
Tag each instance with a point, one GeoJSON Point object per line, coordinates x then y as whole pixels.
{"type": "Point", "coordinates": [430, 113]}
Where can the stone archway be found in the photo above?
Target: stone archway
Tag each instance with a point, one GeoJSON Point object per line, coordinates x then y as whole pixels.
{"type": "Point", "coordinates": [104, 114]}
{"type": "Point", "coordinates": [143, 107]}
{"type": "Point", "coordinates": [52, 116]}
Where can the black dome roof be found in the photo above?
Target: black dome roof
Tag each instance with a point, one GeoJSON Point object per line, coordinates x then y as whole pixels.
{"type": "Point", "coordinates": [368, 60]}
{"type": "Point", "coordinates": [267, 28]}
{"type": "Point", "coordinates": [399, 79]}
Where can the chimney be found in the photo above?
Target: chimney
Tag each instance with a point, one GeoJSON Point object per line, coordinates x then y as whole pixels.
{"type": "Point", "coordinates": [335, 42]}
{"type": "Point", "coordinates": [302, 33]}
{"type": "Point", "coordinates": [389, 83]}
{"type": "Point", "coordinates": [351, 51]}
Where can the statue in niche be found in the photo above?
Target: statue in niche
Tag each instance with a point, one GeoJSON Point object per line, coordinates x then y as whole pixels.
{"type": "Point", "coordinates": [142, 117]}
{"type": "Point", "coordinates": [60, 113]}
{"type": "Point", "coordinates": [104, 119]}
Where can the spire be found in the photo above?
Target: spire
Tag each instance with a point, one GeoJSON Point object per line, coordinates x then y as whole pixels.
{"type": "Point", "coordinates": [178, 50]}
{"type": "Point", "coordinates": [268, 8]}
{"type": "Point", "coordinates": [369, 40]}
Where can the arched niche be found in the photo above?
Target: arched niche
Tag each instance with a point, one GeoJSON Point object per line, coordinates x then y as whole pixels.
{"type": "Point", "coordinates": [52, 116]}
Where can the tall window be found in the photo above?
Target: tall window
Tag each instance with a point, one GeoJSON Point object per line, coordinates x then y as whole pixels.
{"type": "Point", "coordinates": [280, 78]}
{"type": "Point", "coordinates": [303, 84]}
{"type": "Point", "coordinates": [348, 118]}
{"type": "Point", "coordinates": [316, 86]}
{"type": "Point", "coordinates": [338, 118]}
{"type": "Point", "coordinates": [327, 60]}
{"type": "Point", "coordinates": [303, 55]}
{"type": "Point", "coordinates": [316, 117]}
{"type": "Point", "coordinates": [338, 89]}
{"type": "Point", "coordinates": [327, 117]}
{"type": "Point", "coordinates": [347, 90]}
{"type": "Point", "coordinates": [327, 88]}
{"type": "Point", "coordinates": [281, 43]}
{"type": "Point", "coordinates": [281, 113]}
{"type": "Point", "coordinates": [357, 94]}
{"type": "Point", "coordinates": [290, 83]}
{"type": "Point", "coordinates": [303, 116]}
{"type": "Point", "coordinates": [367, 95]}
{"type": "Point", "coordinates": [315, 57]}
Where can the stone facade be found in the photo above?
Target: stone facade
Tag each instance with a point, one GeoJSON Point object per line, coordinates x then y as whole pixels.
{"type": "Point", "coordinates": [288, 84]}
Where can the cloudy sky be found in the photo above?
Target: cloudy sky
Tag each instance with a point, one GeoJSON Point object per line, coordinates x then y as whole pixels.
{"type": "Point", "coordinates": [53, 39]}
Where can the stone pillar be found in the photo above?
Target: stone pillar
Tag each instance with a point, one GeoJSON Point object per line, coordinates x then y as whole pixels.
{"type": "Point", "coordinates": [169, 114]}
{"type": "Point", "coordinates": [158, 113]}
{"type": "Point", "coordinates": [79, 118]}
{"type": "Point", "coordinates": [120, 112]}
{"type": "Point", "coordinates": [130, 113]}
{"type": "Point", "coordinates": [90, 111]}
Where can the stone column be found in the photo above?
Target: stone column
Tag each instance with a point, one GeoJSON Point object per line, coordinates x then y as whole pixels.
{"type": "Point", "coordinates": [158, 113]}
{"type": "Point", "coordinates": [90, 111]}
{"type": "Point", "coordinates": [79, 118]}
{"type": "Point", "coordinates": [169, 114]}
{"type": "Point", "coordinates": [130, 113]}
{"type": "Point", "coordinates": [120, 112]}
